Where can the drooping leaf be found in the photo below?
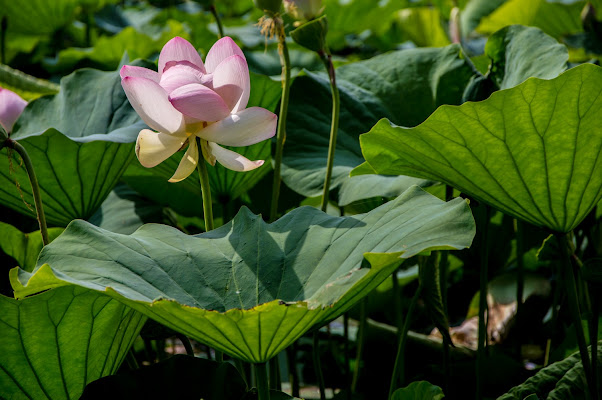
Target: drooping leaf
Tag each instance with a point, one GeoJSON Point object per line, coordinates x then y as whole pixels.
{"type": "Point", "coordinates": [24, 247]}
{"type": "Point", "coordinates": [249, 288]}
{"type": "Point", "coordinates": [420, 390]}
{"type": "Point", "coordinates": [80, 142]}
{"type": "Point", "coordinates": [519, 52]}
{"type": "Point", "coordinates": [172, 379]}
{"type": "Point", "coordinates": [562, 380]}
{"type": "Point", "coordinates": [405, 86]}
{"type": "Point", "coordinates": [26, 86]}
{"type": "Point", "coordinates": [56, 342]}
{"type": "Point", "coordinates": [531, 151]}
{"type": "Point", "coordinates": [431, 293]}
{"type": "Point", "coordinates": [556, 18]}
{"type": "Point", "coordinates": [183, 197]}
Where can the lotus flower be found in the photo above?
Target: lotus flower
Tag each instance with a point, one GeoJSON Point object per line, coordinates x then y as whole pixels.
{"type": "Point", "coordinates": [187, 99]}
{"type": "Point", "coordinates": [11, 106]}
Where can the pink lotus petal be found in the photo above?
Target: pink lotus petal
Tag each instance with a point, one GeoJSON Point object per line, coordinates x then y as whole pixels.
{"type": "Point", "coordinates": [199, 102]}
{"type": "Point", "coordinates": [233, 160]}
{"type": "Point", "coordinates": [188, 163]}
{"type": "Point", "coordinates": [140, 72]}
{"type": "Point", "coordinates": [178, 49]}
{"type": "Point", "coordinates": [231, 81]}
{"type": "Point", "coordinates": [245, 128]}
{"type": "Point", "coordinates": [153, 148]}
{"type": "Point", "coordinates": [180, 74]}
{"type": "Point", "coordinates": [222, 49]}
{"type": "Point", "coordinates": [151, 103]}
{"type": "Point", "coordinates": [11, 107]}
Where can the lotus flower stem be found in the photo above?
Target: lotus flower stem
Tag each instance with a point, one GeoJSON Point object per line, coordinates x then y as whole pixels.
{"type": "Point", "coordinates": [281, 130]}
{"type": "Point", "coordinates": [205, 189]}
{"type": "Point", "coordinates": [218, 21]}
{"type": "Point", "coordinates": [483, 308]}
{"type": "Point", "coordinates": [261, 381]}
{"type": "Point", "coordinates": [318, 364]}
{"type": "Point", "coordinates": [573, 300]}
{"type": "Point", "coordinates": [35, 187]}
{"type": "Point", "coordinates": [397, 379]}
{"type": "Point", "coordinates": [360, 344]}
{"type": "Point", "coordinates": [334, 127]}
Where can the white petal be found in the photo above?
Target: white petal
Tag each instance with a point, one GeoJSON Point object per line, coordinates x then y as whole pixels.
{"type": "Point", "coordinates": [141, 72]}
{"type": "Point", "coordinates": [153, 148]}
{"type": "Point", "coordinates": [151, 103]}
{"type": "Point", "coordinates": [178, 49]}
{"type": "Point", "coordinates": [199, 102]}
{"type": "Point", "coordinates": [222, 49]}
{"type": "Point", "coordinates": [233, 160]}
{"type": "Point", "coordinates": [188, 163]}
{"type": "Point", "coordinates": [180, 75]}
{"type": "Point", "coordinates": [231, 81]}
{"type": "Point", "coordinates": [245, 128]}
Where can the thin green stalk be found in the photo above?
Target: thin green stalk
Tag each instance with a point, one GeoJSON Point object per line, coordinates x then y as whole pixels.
{"type": "Point", "coordinates": [334, 127]}
{"type": "Point", "coordinates": [520, 278]}
{"type": "Point", "coordinates": [261, 380]}
{"type": "Point", "coordinates": [346, 370]}
{"type": "Point", "coordinates": [361, 333]}
{"type": "Point", "coordinates": [483, 309]}
{"type": "Point", "coordinates": [186, 343]}
{"type": "Point", "coordinates": [274, 367]}
{"type": "Point", "coordinates": [205, 189]}
{"type": "Point", "coordinates": [218, 21]}
{"type": "Point", "coordinates": [35, 187]}
{"type": "Point", "coordinates": [593, 338]}
{"type": "Point", "coordinates": [281, 131]}
{"type": "Point", "coordinates": [318, 365]}
{"type": "Point", "coordinates": [398, 377]}
{"type": "Point", "coordinates": [573, 300]}
{"type": "Point", "coordinates": [293, 375]}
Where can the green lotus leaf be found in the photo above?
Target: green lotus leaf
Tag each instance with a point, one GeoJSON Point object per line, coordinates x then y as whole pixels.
{"type": "Point", "coordinates": [420, 390]}
{"type": "Point", "coordinates": [423, 26]}
{"type": "Point", "coordinates": [404, 86]}
{"type": "Point", "coordinates": [80, 141]}
{"type": "Point", "coordinates": [554, 18]}
{"type": "Point", "coordinates": [24, 247]}
{"type": "Point", "coordinates": [532, 151]}
{"type": "Point", "coordinates": [56, 342]}
{"type": "Point", "coordinates": [519, 52]}
{"type": "Point", "coordinates": [250, 288]}
{"type": "Point", "coordinates": [226, 184]}
{"type": "Point", "coordinates": [474, 11]}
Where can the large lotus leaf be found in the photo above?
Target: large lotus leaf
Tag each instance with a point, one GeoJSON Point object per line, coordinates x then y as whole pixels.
{"type": "Point", "coordinates": [562, 380]}
{"type": "Point", "coordinates": [249, 288]}
{"type": "Point", "coordinates": [80, 142]}
{"type": "Point", "coordinates": [56, 342]}
{"type": "Point", "coordinates": [519, 52]}
{"type": "Point", "coordinates": [404, 86]}
{"type": "Point", "coordinates": [420, 390]}
{"type": "Point", "coordinates": [532, 151]}
{"type": "Point", "coordinates": [226, 184]}
{"type": "Point", "coordinates": [556, 18]}
{"type": "Point", "coordinates": [24, 247]}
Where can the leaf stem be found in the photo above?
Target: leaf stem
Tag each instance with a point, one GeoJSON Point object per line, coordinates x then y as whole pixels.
{"type": "Point", "coordinates": [205, 189]}
{"type": "Point", "coordinates": [293, 376]}
{"type": "Point", "coordinates": [35, 187]}
{"type": "Point", "coordinates": [483, 308]}
{"type": "Point", "coordinates": [520, 277]}
{"type": "Point", "coordinates": [360, 344]}
{"type": "Point", "coordinates": [186, 343]}
{"type": "Point", "coordinates": [261, 380]}
{"type": "Point", "coordinates": [218, 21]}
{"type": "Point", "coordinates": [593, 339]}
{"type": "Point", "coordinates": [318, 364]}
{"type": "Point", "coordinates": [397, 379]}
{"type": "Point", "coordinates": [334, 127]}
{"type": "Point", "coordinates": [573, 300]}
{"type": "Point", "coordinates": [281, 132]}
{"type": "Point", "coordinates": [274, 370]}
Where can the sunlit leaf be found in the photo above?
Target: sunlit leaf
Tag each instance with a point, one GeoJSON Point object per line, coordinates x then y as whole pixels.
{"type": "Point", "coordinates": [531, 151]}
{"type": "Point", "coordinates": [56, 342]}
{"type": "Point", "coordinates": [249, 288]}
{"type": "Point", "coordinates": [23, 247]}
